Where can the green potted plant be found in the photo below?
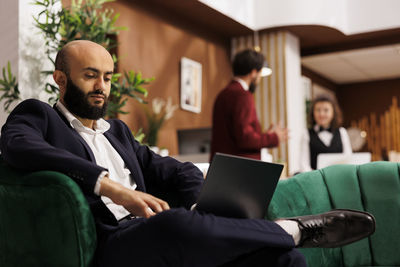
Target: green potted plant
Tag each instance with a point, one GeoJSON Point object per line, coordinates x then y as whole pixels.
{"type": "Point", "coordinates": [9, 87]}
{"type": "Point", "coordinates": [157, 113]}
{"type": "Point", "coordinates": [88, 21]}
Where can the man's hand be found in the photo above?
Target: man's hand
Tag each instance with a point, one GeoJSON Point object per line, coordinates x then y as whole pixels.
{"type": "Point", "coordinates": [136, 202]}
{"type": "Point", "coordinates": [282, 133]}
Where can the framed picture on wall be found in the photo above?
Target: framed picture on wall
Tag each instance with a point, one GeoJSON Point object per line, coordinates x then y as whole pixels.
{"type": "Point", "coordinates": [190, 85]}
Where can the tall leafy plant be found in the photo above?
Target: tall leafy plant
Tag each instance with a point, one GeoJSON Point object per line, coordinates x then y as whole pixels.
{"type": "Point", "coordinates": [87, 20]}
{"type": "Point", "coordinates": [9, 87]}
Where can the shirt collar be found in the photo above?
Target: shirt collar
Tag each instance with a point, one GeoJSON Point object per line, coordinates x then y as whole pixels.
{"type": "Point", "coordinates": [100, 126]}
{"type": "Point", "coordinates": [242, 83]}
{"type": "Point", "coordinates": [319, 129]}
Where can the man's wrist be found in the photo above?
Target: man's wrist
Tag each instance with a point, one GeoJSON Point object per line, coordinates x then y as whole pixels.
{"type": "Point", "coordinates": [110, 189]}
{"type": "Point", "coordinates": [98, 182]}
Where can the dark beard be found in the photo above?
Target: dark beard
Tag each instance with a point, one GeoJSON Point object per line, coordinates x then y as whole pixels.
{"type": "Point", "coordinates": [76, 101]}
{"type": "Point", "coordinates": [252, 87]}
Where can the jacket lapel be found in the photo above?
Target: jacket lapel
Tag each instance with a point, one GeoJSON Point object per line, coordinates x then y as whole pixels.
{"type": "Point", "coordinates": [76, 134]}
{"type": "Point", "coordinates": [131, 162]}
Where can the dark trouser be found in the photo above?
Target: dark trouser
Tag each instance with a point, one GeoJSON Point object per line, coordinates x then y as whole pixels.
{"type": "Point", "coordinates": [179, 237]}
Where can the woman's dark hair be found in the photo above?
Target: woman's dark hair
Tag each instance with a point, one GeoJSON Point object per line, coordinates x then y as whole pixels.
{"type": "Point", "coordinates": [247, 60]}
{"type": "Point", "coordinates": [337, 113]}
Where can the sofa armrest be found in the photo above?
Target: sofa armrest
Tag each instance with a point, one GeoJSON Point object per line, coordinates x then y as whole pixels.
{"type": "Point", "coordinates": [44, 220]}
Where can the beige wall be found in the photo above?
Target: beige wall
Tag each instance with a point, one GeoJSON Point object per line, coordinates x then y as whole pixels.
{"type": "Point", "coordinates": [8, 42]}
{"type": "Point", "coordinates": [154, 45]}
{"type": "Point", "coordinates": [9, 33]}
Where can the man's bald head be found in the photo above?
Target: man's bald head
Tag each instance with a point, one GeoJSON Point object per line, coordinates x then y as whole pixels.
{"type": "Point", "coordinates": [83, 74]}
{"type": "Point", "coordinates": [64, 55]}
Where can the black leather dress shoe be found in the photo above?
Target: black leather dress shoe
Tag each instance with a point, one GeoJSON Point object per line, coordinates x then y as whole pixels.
{"type": "Point", "coordinates": [335, 228]}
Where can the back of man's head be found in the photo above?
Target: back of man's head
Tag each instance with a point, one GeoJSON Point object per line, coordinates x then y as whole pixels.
{"type": "Point", "coordinates": [61, 60]}
{"type": "Point", "coordinates": [247, 60]}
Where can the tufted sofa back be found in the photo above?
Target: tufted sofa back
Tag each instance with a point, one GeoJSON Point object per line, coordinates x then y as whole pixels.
{"type": "Point", "coordinates": [372, 187]}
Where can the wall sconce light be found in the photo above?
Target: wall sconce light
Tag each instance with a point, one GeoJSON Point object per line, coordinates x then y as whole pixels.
{"type": "Point", "coordinates": [256, 41]}
{"type": "Point", "coordinates": [265, 71]}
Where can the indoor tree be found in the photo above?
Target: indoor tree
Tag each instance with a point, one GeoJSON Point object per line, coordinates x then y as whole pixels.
{"type": "Point", "coordinates": [87, 20]}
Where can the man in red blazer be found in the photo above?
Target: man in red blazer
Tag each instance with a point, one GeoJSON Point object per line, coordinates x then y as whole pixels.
{"type": "Point", "coordinates": [236, 129]}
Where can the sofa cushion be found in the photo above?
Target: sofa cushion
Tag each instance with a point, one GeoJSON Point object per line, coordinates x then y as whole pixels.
{"type": "Point", "coordinates": [305, 194]}
{"type": "Point", "coordinates": [342, 182]}
{"type": "Point", "coordinates": [380, 187]}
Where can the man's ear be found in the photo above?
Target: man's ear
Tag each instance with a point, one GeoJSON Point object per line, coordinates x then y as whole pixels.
{"type": "Point", "coordinates": [60, 78]}
{"type": "Point", "coordinates": [254, 73]}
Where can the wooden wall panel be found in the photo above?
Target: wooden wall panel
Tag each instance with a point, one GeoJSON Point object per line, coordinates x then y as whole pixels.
{"type": "Point", "coordinates": [383, 133]}
{"type": "Point", "coordinates": [154, 44]}
{"type": "Point", "coordinates": [373, 107]}
{"type": "Point", "coordinates": [362, 99]}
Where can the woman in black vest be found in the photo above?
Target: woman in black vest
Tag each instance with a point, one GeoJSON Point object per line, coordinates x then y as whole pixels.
{"type": "Point", "coordinates": [326, 134]}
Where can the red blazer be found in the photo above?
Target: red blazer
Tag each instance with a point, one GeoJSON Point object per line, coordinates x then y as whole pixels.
{"type": "Point", "coordinates": [236, 129]}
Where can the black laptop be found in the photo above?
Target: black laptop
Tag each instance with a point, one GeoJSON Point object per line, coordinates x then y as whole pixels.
{"type": "Point", "coordinates": [238, 187]}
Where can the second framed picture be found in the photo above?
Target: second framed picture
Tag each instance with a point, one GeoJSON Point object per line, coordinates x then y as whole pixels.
{"type": "Point", "coordinates": [191, 75]}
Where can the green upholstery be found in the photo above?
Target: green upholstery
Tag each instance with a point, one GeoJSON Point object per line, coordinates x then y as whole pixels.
{"type": "Point", "coordinates": [44, 220]}
{"type": "Point", "coordinates": [372, 187]}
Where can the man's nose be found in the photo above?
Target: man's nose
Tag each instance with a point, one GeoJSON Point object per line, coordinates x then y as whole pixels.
{"type": "Point", "coordinates": [100, 84]}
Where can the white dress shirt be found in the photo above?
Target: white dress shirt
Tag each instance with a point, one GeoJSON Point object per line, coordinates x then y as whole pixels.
{"type": "Point", "coordinates": [242, 83]}
{"type": "Point", "coordinates": [326, 138]}
{"type": "Point", "coordinates": [106, 156]}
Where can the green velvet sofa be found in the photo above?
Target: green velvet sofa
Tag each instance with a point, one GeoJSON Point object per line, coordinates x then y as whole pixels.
{"type": "Point", "coordinates": [44, 220]}
{"type": "Point", "coordinates": [372, 187]}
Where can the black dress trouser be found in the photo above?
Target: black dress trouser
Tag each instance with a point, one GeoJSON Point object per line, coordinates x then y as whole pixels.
{"type": "Point", "coordinates": [179, 237]}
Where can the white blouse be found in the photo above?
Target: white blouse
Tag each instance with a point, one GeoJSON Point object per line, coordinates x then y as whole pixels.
{"type": "Point", "coordinates": [326, 138]}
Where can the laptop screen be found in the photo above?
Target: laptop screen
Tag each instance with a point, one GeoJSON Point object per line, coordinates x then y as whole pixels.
{"type": "Point", "coordinates": [238, 187]}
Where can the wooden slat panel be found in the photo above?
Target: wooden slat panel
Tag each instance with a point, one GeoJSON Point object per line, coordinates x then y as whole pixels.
{"type": "Point", "coordinates": [383, 134]}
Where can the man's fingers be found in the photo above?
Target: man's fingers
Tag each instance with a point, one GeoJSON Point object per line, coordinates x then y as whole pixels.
{"type": "Point", "coordinates": [162, 204]}
{"type": "Point", "coordinates": [271, 127]}
{"type": "Point", "coordinates": [165, 205]}
{"type": "Point", "coordinates": [145, 211]}
{"type": "Point", "coordinates": [140, 208]}
{"type": "Point", "coordinates": [142, 204]}
{"type": "Point", "coordinates": [148, 212]}
{"type": "Point", "coordinates": [156, 204]}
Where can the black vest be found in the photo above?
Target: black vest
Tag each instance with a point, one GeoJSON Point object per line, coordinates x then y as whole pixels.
{"type": "Point", "coordinates": [317, 146]}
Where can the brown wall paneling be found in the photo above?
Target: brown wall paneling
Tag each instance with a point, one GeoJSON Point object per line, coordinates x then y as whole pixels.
{"type": "Point", "coordinates": [368, 105]}
{"type": "Point", "coordinates": [154, 45]}
{"type": "Point", "coordinates": [361, 99]}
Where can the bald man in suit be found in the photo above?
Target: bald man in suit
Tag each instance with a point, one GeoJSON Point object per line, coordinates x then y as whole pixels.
{"type": "Point", "coordinates": [119, 178]}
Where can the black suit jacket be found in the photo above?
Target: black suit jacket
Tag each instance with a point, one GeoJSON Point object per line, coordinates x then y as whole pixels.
{"type": "Point", "coordinates": [38, 137]}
